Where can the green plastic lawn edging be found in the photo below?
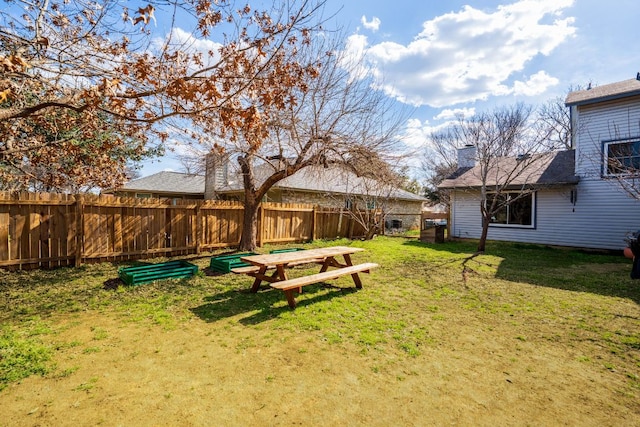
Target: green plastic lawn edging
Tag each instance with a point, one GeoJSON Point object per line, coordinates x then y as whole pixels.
{"type": "Point", "coordinates": [152, 272]}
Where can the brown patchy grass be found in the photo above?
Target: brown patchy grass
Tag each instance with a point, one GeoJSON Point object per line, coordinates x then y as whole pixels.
{"type": "Point", "coordinates": [528, 335]}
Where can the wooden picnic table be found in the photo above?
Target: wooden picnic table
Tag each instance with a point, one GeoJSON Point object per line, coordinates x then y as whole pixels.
{"type": "Point", "coordinates": [278, 262]}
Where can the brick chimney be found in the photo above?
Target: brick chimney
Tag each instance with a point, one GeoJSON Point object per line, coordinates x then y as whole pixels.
{"type": "Point", "coordinates": [216, 174]}
{"type": "Point", "coordinates": [467, 156]}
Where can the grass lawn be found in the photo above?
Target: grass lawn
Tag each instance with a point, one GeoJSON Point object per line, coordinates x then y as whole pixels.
{"type": "Point", "coordinates": [521, 335]}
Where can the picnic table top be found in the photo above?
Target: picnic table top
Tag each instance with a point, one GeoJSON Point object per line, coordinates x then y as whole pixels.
{"type": "Point", "coordinates": [284, 258]}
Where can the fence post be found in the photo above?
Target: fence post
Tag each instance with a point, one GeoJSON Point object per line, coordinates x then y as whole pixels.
{"type": "Point", "coordinates": [79, 230]}
{"type": "Point", "coordinates": [199, 228]}
{"type": "Point", "coordinates": [260, 225]}
{"type": "Point", "coordinates": [314, 222]}
{"type": "Point", "coordinates": [351, 222]}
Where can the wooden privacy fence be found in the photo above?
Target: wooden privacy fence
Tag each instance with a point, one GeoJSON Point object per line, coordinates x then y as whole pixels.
{"type": "Point", "coordinates": [50, 230]}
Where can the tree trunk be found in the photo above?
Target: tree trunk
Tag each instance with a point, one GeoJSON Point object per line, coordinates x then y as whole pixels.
{"type": "Point", "coordinates": [483, 236]}
{"type": "Point", "coordinates": [372, 231]}
{"type": "Point", "coordinates": [373, 225]}
{"type": "Point", "coordinates": [249, 239]}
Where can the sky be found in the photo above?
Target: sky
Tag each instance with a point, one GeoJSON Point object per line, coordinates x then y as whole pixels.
{"type": "Point", "coordinates": [444, 57]}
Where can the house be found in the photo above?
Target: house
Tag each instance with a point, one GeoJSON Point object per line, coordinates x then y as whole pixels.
{"type": "Point", "coordinates": [329, 187]}
{"type": "Point", "coordinates": [164, 185]}
{"type": "Point", "coordinates": [573, 197]}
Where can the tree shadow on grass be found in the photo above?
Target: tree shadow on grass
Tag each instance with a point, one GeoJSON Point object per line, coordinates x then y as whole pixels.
{"type": "Point", "coordinates": [456, 247]}
{"type": "Point", "coordinates": [604, 275]}
{"type": "Point", "coordinates": [598, 272]}
{"type": "Point", "coordinates": [265, 305]}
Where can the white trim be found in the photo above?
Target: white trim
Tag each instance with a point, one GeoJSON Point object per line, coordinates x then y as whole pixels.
{"type": "Point", "coordinates": [533, 211]}
{"type": "Point", "coordinates": [605, 153]}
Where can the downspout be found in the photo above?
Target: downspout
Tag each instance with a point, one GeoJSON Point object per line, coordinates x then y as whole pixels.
{"type": "Point", "coordinates": [452, 212]}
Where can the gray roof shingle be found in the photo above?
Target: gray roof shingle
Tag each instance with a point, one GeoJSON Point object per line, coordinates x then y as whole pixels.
{"type": "Point", "coordinates": [317, 179]}
{"type": "Point", "coordinates": [603, 93]}
{"type": "Point", "coordinates": [546, 169]}
{"type": "Point", "coordinates": [168, 182]}
{"type": "Point", "coordinates": [336, 180]}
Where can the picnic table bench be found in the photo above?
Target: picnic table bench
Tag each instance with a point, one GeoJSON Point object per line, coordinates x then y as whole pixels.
{"type": "Point", "coordinates": [280, 261]}
{"type": "Point", "coordinates": [291, 285]}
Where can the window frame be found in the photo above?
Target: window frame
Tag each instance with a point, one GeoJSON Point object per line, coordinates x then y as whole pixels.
{"type": "Point", "coordinates": [633, 170]}
{"type": "Point", "coordinates": [348, 203]}
{"type": "Point", "coordinates": [532, 194]}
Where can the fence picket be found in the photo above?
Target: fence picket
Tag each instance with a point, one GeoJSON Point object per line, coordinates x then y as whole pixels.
{"type": "Point", "coordinates": [49, 230]}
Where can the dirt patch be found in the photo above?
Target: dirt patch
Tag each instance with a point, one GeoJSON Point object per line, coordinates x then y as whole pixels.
{"type": "Point", "coordinates": [113, 372]}
{"type": "Point", "coordinates": [534, 336]}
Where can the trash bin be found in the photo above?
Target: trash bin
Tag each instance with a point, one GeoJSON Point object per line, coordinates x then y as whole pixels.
{"type": "Point", "coordinates": [633, 242]}
{"type": "Point", "coordinates": [432, 233]}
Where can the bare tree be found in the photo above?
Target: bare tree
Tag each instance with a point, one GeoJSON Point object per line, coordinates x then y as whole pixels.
{"type": "Point", "coordinates": [554, 120]}
{"type": "Point", "coordinates": [439, 161]}
{"type": "Point", "coordinates": [335, 117]}
{"type": "Point", "coordinates": [620, 158]}
{"type": "Point", "coordinates": [627, 176]}
{"type": "Point", "coordinates": [507, 156]}
{"type": "Point", "coordinates": [369, 189]}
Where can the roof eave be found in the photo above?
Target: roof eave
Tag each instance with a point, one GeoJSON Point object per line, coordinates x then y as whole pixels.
{"type": "Point", "coordinates": [605, 98]}
{"type": "Point", "coordinates": [156, 191]}
{"type": "Point", "coordinates": [535, 185]}
{"type": "Point", "coordinates": [394, 197]}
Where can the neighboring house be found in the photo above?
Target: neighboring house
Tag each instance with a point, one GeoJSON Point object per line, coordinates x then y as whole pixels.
{"type": "Point", "coordinates": [312, 185]}
{"type": "Point", "coordinates": [332, 186]}
{"type": "Point", "coordinates": [169, 185]}
{"type": "Point", "coordinates": [576, 200]}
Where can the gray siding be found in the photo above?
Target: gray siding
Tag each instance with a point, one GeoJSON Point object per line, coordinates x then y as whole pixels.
{"type": "Point", "coordinates": [600, 218]}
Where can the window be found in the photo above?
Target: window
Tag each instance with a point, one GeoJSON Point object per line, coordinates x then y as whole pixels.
{"type": "Point", "coordinates": [622, 157]}
{"type": "Point", "coordinates": [513, 209]}
{"type": "Point", "coordinates": [348, 203]}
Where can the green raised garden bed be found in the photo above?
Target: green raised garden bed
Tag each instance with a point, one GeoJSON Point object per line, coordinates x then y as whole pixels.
{"type": "Point", "coordinates": [224, 263]}
{"type": "Point", "coordinates": [280, 251]}
{"type": "Point", "coordinates": [149, 273]}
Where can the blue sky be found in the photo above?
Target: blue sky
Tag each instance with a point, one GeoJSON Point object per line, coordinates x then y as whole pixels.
{"type": "Point", "coordinates": [443, 57]}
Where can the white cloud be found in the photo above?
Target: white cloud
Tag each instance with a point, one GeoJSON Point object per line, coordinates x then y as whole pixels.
{"type": "Point", "coordinates": [352, 57]}
{"type": "Point", "coordinates": [372, 25]}
{"type": "Point", "coordinates": [414, 134]}
{"type": "Point", "coordinates": [537, 84]}
{"type": "Point", "coordinates": [451, 114]}
{"type": "Point", "coordinates": [203, 45]}
{"type": "Point", "coordinates": [417, 133]}
{"type": "Point", "coordinates": [471, 54]}
{"type": "Point", "coordinates": [187, 42]}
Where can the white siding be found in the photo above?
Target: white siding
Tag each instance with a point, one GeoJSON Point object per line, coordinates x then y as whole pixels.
{"type": "Point", "coordinates": [465, 214]}
{"type": "Point", "coordinates": [602, 122]}
{"type": "Point", "coordinates": [602, 214]}
{"type": "Point", "coordinates": [601, 201]}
